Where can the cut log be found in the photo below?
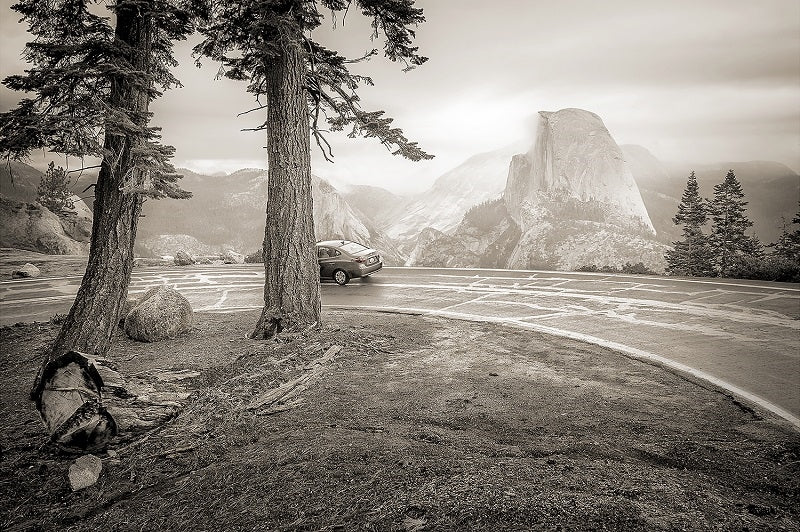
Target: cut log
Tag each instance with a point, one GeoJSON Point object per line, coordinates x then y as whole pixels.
{"type": "Point", "coordinates": [68, 399]}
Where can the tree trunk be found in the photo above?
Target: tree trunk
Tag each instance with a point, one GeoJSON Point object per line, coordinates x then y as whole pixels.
{"type": "Point", "coordinates": [95, 313]}
{"type": "Point", "coordinates": [291, 286]}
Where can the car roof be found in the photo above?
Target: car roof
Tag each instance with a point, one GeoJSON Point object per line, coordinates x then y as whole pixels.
{"type": "Point", "coordinates": [333, 243]}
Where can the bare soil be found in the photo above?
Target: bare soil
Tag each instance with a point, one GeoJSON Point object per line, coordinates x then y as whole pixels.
{"type": "Point", "coordinates": [416, 424]}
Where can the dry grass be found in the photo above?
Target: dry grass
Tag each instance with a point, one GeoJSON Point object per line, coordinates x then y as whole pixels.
{"type": "Point", "coordinates": [417, 424]}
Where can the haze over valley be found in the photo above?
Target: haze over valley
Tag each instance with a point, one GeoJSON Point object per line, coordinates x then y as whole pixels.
{"type": "Point", "coordinates": [573, 198]}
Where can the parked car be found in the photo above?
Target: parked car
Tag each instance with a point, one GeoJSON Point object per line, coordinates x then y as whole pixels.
{"type": "Point", "coordinates": [341, 260]}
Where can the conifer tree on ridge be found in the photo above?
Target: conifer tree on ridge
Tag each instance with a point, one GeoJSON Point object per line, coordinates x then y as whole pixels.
{"type": "Point", "coordinates": [729, 243]}
{"type": "Point", "coordinates": [692, 255]}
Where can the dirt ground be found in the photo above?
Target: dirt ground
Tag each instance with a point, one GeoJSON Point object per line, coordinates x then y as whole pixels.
{"type": "Point", "coordinates": [416, 424]}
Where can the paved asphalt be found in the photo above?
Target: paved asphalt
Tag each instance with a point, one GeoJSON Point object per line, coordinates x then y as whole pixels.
{"type": "Point", "coordinates": [741, 335]}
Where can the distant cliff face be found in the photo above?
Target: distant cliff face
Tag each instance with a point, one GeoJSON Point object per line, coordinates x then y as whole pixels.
{"type": "Point", "coordinates": [485, 238]}
{"type": "Point", "coordinates": [574, 171]}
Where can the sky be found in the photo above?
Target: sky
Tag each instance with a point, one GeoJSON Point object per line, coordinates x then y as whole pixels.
{"type": "Point", "coordinates": [692, 81]}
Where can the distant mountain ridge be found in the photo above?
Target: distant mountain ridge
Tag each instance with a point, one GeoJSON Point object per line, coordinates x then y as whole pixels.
{"type": "Point", "coordinates": [771, 189]}
{"type": "Point", "coordinates": [228, 212]}
{"type": "Point", "coordinates": [496, 209]}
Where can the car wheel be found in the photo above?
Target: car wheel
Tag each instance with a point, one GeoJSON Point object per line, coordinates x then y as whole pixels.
{"type": "Point", "coordinates": [341, 277]}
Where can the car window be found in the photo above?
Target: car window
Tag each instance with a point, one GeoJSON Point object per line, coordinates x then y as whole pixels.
{"type": "Point", "coordinates": [325, 253]}
{"type": "Point", "coordinates": [353, 247]}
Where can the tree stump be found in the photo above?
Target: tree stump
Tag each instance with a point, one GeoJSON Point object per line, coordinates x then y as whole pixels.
{"type": "Point", "coordinates": [68, 399]}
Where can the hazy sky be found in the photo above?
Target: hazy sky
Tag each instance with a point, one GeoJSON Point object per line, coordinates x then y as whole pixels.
{"type": "Point", "coordinates": [702, 81]}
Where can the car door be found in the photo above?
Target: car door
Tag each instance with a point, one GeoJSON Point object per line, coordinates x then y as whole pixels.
{"type": "Point", "coordinates": [327, 261]}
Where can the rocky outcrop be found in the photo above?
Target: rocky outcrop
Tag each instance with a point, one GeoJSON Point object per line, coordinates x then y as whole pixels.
{"type": "Point", "coordinates": [166, 244]}
{"type": "Point", "coordinates": [182, 258]}
{"type": "Point", "coordinates": [231, 257]}
{"type": "Point", "coordinates": [31, 226]}
{"type": "Point", "coordinates": [160, 314]}
{"type": "Point", "coordinates": [484, 239]}
{"type": "Point", "coordinates": [28, 270]}
{"type": "Point", "coordinates": [575, 200]}
{"type": "Point", "coordinates": [78, 223]}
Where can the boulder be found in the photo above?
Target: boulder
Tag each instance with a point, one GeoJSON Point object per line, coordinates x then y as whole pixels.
{"type": "Point", "coordinates": [160, 314]}
{"type": "Point", "coordinates": [231, 257]}
{"type": "Point", "coordinates": [182, 258]}
{"type": "Point", "coordinates": [28, 270]}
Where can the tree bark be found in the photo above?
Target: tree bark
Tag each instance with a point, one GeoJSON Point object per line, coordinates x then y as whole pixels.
{"type": "Point", "coordinates": [291, 287]}
{"type": "Point", "coordinates": [95, 313]}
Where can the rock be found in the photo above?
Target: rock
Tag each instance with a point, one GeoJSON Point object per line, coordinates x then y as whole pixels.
{"type": "Point", "coordinates": [160, 314]}
{"type": "Point", "coordinates": [204, 260]}
{"type": "Point", "coordinates": [182, 258]}
{"type": "Point", "coordinates": [28, 270]}
{"type": "Point", "coordinates": [231, 257]}
{"type": "Point", "coordinates": [85, 471]}
{"type": "Point", "coordinates": [575, 171]}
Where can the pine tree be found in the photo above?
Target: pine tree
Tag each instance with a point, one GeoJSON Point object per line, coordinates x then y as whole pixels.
{"type": "Point", "coordinates": [788, 244]}
{"type": "Point", "coordinates": [90, 85]}
{"type": "Point", "coordinates": [729, 243]}
{"type": "Point", "coordinates": [53, 191]}
{"type": "Point", "coordinates": [304, 87]}
{"type": "Point", "coordinates": [692, 255]}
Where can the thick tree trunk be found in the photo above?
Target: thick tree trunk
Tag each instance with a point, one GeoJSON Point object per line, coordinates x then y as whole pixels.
{"type": "Point", "coordinates": [95, 313]}
{"type": "Point", "coordinates": [291, 288]}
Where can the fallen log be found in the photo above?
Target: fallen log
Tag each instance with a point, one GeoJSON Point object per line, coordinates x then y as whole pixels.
{"type": "Point", "coordinates": [69, 401]}
{"type": "Point", "coordinates": [276, 399]}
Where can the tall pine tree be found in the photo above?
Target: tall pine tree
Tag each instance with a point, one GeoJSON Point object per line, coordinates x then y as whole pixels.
{"type": "Point", "coordinates": [692, 255]}
{"type": "Point", "coordinates": [305, 88]}
{"type": "Point", "coordinates": [90, 86]}
{"type": "Point", "coordinates": [729, 243]}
